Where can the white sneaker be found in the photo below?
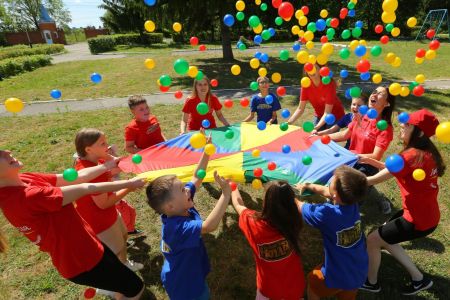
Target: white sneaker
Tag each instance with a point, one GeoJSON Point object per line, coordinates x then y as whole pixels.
{"type": "Point", "coordinates": [134, 266]}
{"type": "Point", "coordinates": [106, 293]}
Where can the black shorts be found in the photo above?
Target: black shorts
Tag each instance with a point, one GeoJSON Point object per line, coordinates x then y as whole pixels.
{"type": "Point", "coordinates": [398, 230]}
{"type": "Point", "coordinates": [112, 275]}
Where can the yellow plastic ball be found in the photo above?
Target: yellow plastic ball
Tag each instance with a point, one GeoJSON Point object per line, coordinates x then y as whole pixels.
{"type": "Point", "coordinates": [149, 63]}
{"type": "Point", "coordinates": [240, 5]}
{"type": "Point", "coordinates": [419, 60]}
{"type": "Point", "coordinates": [257, 184]}
{"type": "Point", "coordinates": [430, 54]}
{"type": "Point", "coordinates": [419, 174]}
{"type": "Point", "coordinates": [302, 57]}
{"type": "Point", "coordinates": [177, 27]}
{"type": "Point", "coordinates": [388, 17]}
{"type": "Point", "coordinates": [258, 2]}
{"type": "Point", "coordinates": [411, 22]}
{"type": "Point", "coordinates": [309, 45]}
{"type": "Point", "coordinates": [149, 26]}
{"type": "Point", "coordinates": [262, 72]}
{"type": "Point", "coordinates": [295, 30]}
{"type": "Point", "coordinates": [312, 59]}
{"type": "Point", "coordinates": [276, 77]}
{"type": "Point", "coordinates": [258, 29]}
{"type": "Point", "coordinates": [395, 88]}
{"type": "Point", "coordinates": [420, 78]}
{"type": "Point", "coordinates": [302, 21]}
{"type": "Point", "coordinates": [301, 33]}
{"type": "Point", "coordinates": [323, 13]}
{"type": "Point", "coordinates": [197, 140]}
{"type": "Point", "coordinates": [192, 71]}
{"type": "Point", "coordinates": [254, 63]}
{"type": "Point", "coordinates": [313, 71]}
{"type": "Point", "coordinates": [256, 153]}
{"type": "Point", "coordinates": [377, 78]}
{"type": "Point", "coordinates": [390, 6]}
{"type": "Point", "coordinates": [363, 42]}
{"type": "Point", "coordinates": [327, 49]}
{"type": "Point", "coordinates": [443, 132]}
{"type": "Point", "coordinates": [210, 149]}
{"type": "Point", "coordinates": [390, 57]}
{"type": "Point", "coordinates": [305, 82]}
{"type": "Point", "coordinates": [298, 14]}
{"type": "Point", "coordinates": [395, 32]}
{"type": "Point", "coordinates": [404, 92]}
{"type": "Point", "coordinates": [309, 35]}
{"type": "Point", "coordinates": [235, 70]}
{"type": "Point", "coordinates": [322, 59]}
{"type": "Point", "coordinates": [397, 62]}
{"type": "Point", "coordinates": [14, 105]}
{"type": "Point", "coordinates": [353, 44]}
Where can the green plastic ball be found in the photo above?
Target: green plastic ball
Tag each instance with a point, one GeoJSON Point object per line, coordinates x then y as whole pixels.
{"type": "Point", "coordinates": [254, 86]}
{"type": "Point", "coordinates": [346, 34]}
{"type": "Point", "coordinates": [284, 55]}
{"type": "Point", "coordinates": [165, 80]}
{"type": "Point", "coordinates": [308, 126]}
{"type": "Point", "coordinates": [326, 80]}
{"type": "Point", "coordinates": [263, 7]}
{"type": "Point", "coordinates": [306, 160]}
{"type": "Point", "coordinates": [356, 32]}
{"type": "Point", "coordinates": [199, 76]}
{"type": "Point", "coordinates": [382, 125]}
{"type": "Point", "coordinates": [355, 92]}
{"type": "Point", "coordinates": [181, 66]}
{"type": "Point", "coordinates": [201, 173]}
{"type": "Point", "coordinates": [279, 21]}
{"type": "Point", "coordinates": [229, 134]}
{"type": "Point", "coordinates": [254, 21]}
{"type": "Point", "coordinates": [344, 53]}
{"type": "Point", "coordinates": [137, 159]}
{"type": "Point", "coordinates": [284, 126]}
{"type": "Point", "coordinates": [70, 174]}
{"type": "Point", "coordinates": [202, 108]}
{"type": "Point", "coordinates": [376, 50]}
{"type": "Point", "coordinates": [240, 16]}
{"type": "Point", "coordinates": [389, 27]}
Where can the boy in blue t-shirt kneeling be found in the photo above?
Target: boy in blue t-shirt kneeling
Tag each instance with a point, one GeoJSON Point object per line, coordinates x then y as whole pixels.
{"type": "Point", "coordinates": [186, 263]}
{"type": "Point", "coordinates": [264, 104]}
{"type": "Point", "coordinates": [346, 261]}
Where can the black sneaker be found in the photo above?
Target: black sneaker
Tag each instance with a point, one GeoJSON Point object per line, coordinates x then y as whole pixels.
{"type": "Point", "coordinates": [367, 286]}
{"type": "Point", "coordinates": [416, 286]}
{"type": "Point", "coordinates": [135, 233]}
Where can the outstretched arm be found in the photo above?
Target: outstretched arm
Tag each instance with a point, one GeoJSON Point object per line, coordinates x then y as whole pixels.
{"type": "Point", "coordinates": [212, 221]}
{"type": "Point", "coordinates": [237, 202]}
{"type": "Point", "coordinates": [222, 118]}
{"type": "Point", "coordinates": [298, 112]}
{"type": "Point", "coordinates": [315, 188]}
{"type": "Point", "coordinates": [381, 176]}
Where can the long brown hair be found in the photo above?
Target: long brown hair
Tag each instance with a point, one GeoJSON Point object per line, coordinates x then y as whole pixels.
{"type": "Point", "coordinates": [3, 245]}
{"type": "Point", "coordinates": [386, 114]}
{"type": "Point", "coordinates": [194, 93]}
{"type": "Point", "coordinates": [280, 211]}
{"type": "Point", "coordinates": [420, 141]}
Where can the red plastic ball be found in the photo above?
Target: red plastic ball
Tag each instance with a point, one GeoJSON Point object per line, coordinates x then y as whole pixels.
{"type": "Point", "coordinates": [245, 102]}
{"type": "Point", "coordinates": [434, 45]}
{"type": "Point", "coordinates": [323, 39]}
{"type": "Point", "coordinates": [303, 40]}
{"type": "Point", "coordinates": [309, 67]}
{"type": "Point", "coordinates": [334, 22]}
{"type": "Point", "coordinates": [194, 41]}
{"type": "Point", "coordinates": [325, 139]}
{"type": "Point", "coordinates": [271, 166]}
{"type": "Point", "coordinates": [343, 13]}
{"type": "Point", "coordinates": [384, 39]}
{"type": "Point", "coordinates": [164, 89]}
{"type": "Point", "coordinates": [281, 91]}
{"type": "Point", "coordinates": [228, 103]}
{"type": "Point", "coordinates": [233, 185]}
{"type": "Point", "coordinates": [214, 82]}
{"type": "Point", "coordinates": [276, 3]}
{"type": "Point", "coordinates": [305, 10]}
{"type": "Point", "coordinates": [257, 172]}
{"type": "Point", "coordinates": [286, 10]}
{"type": "Point", "coordinates": [363, 66]}
{"type": "Point", "coordinates": [89, 293]}
{"type": "Point", "coordinates": [379, 29]}
{"type": "Point", "coordinates": [202, 47]}
{"type": "Point", "coordinates": [418, 91]}
{"type": "Point", "coordinates": [420, 53]}
{"type": "Point", "coordinates": [178, 94]}
{"type": "Point", "coordinates": [431, 33]}
{"type": "Point", "coordinates": [324, 71]}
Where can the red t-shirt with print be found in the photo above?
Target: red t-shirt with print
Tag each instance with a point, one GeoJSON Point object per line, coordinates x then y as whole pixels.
{"type": "Point", "coordinates": [419, 198]}
{"type": "Point", "coordinates": [365, 136]}
{"type": "Point", "coordinates": [279, 270]}
{"type": "Point", "coordinates": [98, 218]}
{"type": "Point", "coordinates": [138, 132]}
{"type": "Point", "coordinates": [321, 95]}
{"type": "Point", "coordinates": [36, 211]}
{"type": "Point", "coordinates": [195, 119]}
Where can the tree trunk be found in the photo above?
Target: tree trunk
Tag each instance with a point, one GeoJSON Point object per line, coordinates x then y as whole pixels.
{"type": "Point", "coordinates": [227, 51]}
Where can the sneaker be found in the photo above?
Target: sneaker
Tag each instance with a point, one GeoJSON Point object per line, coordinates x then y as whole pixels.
{"type": "Point", "coordinates": [106, 293]}
{"type": "Point", "coordinates": [367, 286]}
{"type": "Point", "coordinates": [385, 206]}
{"type": "Point", "coordinates": [416, 286]}
{"type": "Point", "coordinates": [134, 266]}
{"type": "Point", "coordinates": [135, 233]}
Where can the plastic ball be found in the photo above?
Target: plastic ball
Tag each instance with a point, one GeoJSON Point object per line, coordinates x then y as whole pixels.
{"type": "Point", "coordinates": [55, 94]}
{"type": "Point", "coordinates": [285, 113]}
{"type": "Point", "coordinates": [372, 113]}
{"type": "Point", "coordinates": [355, 92]}
{"type": "Point", "coordinates": [324, 71]}
{"type": "Point", "coordinates": [376, 51]}
{"type": "Point", "coordinates": [96, 78]}
{"type": "Point", "coordinates": [229, 134]}
{"type": "Point", "coordinates": [418, 91]}
{"type": "Point", "coordinates": [365, 76]}
{"type": "Point", "coordinates": [165, 80]}
{"type": "Point", "coordinates": [164, 89]}
{"type": "Point", "coordinates": [330, 119]}
{"type": "Point", "coordinates": [149, 63]}
{"type": "Point", "coordinates": [308, 126]}
{"type": "Point", "coordinates": [178, 94]}
{"type": "Point", "coordinates": [388, 17]}
{"type": "Point", "coordinates": [284, 126]}
{"type": "Point", "coordinates": [210, 149]}
{"type": "Point", "coordinates": [214, 82]}
{"type": "Point", "coordinates": [228, 103]}
{"type": "Point", "coordinates": [149, 3]}
{"type": "Point", "coordinates": [202, 47]}
{"type": "Point", "coordinates": [202, 108]}
{"type": "Point", "coordinates": [346, 34]}
{"type": "Point", "coordinates": [264, 58]}
{"type": "Point", "coordinates": [276, 77]}
{"type": "Point", "coordinates": [228, 20]}
{"type": "Point", "coordinates": [286, 10]}
{"type": "Point", "coordinates": [403, 117]}
{"type": "Point", "coordinates": [253, 21]}
{"type": "Point", "coordinates": [434, 45]}
{"type": "Point", "coordinates": [257, 184]}
{"type": "Point", "coordinates": [296, 47]}
{"type": "Point", "coordinates": [136, 158]}
{"type": "Point", "coordinates": [233, 185]}
{"type": "Point", "coordinates": [377, 78]}
{"type": "Point", "coordinates": [419, 174]}
{"type": "Point", "coordinates": [244, 102]}
{"type": "Point", "coordinates": [389, 27]}
{"type": "Point", "coordinates": [379, 29]}
{"type": "Point", "coordinates": [235, 70]}
{"type": "Point", "coordinates": [181, 66]}
{"type": "Point", "coordinates": [384, 39]}
{"type": "Point", "coordinates": [14, 105]}
{"type": "Point", "coordinates": [257, 39]}
{"type": "Point", "coordinates": [89, 293]}
{"type": "Point", "coordinates": [254, 86]}
{"type": "Point", "coordinates": [193, 41]}
{"type": "Point", "coordinates": [206, 123]}
{"type": "Point", "coordinates": [263, 7]}
{"type": "Point", "coordinates": [201, 173]}
{"type": "Point", "coordinates": [261, 125]}
{"type": "Point", "coordinates": [269, 99]}
{"type": "Point", "coordinates": [240, 5]}
{"type": "Point", "coordinates": [382, 125]}
{"type": "Point", "coordinates": [279, 21]}
{"type": "Point", "coordinates": [197, 140]}
{"type": "Point", "coordinates": [266, 35]}
{"type": "Point", "coordinates": [286, 149]}
{"type": "Point", "coordinates": [325, 139]}
{"type": "Point", "coordinates": [271, 166]}
{"type": "Point", "coordinates": [70, 174]}
{"type": "Point", "coordinates": [256, 153]}
{"type": "Point", "coordinates": [363, 109]}
{"type": "Point", "coordinates": [395, 88]}
{"type": "Point", "coordinates": [431, 33]}
{"type": "Point", "coordinates": [281, 91]}
{"type": "Point", "coordinates": [420, 78]}
{"type": "Point", "coordinates": [404, 92]}
{"type": "Point", "coordinates": [149, 26]}
{"type": "Point", "coordinates": [284, 55]}
{"type": "Point", "coordinates": [360, 50]}
{"type": "Point", "coordinates": [356, 32]}
{"type": "Point", "coordinates": [305, 82]}
{"type": "Point", "coordinates": [240, 16]}
{"type": "Point", "coordinates": [193, 71]}
{"type": "Point", "coordinates": [411, 22]}
{"type": "Point", "coordinates": [363, 66]}
{"type": "Point", "coordinates": [343, 73]}
{"type": "Point", "coordinates": [326, 80]}
{"type": "Point", "coordinates": [443, 132]}
{"type": "Point", "coordinates": [430, 54]}
{"type": "Point", "coordinates": [395, 32]}
{"type": "Point", "coordinates": [257, 172]}
{"type": "Point", "coordinates": [412, 85]}
{"type": "Point", "coordinates": [177, 27]}
{"type": "Point", "coordinates": [344, 53]}
{"type": "Point", "coordinates": [394, 163]}
{"type": "Point", "coordinates": [306, 160]}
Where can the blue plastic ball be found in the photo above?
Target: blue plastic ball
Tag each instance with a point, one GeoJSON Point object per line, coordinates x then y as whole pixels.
{"type": "Point", "coordinates": [269, 99]}
{"type": "Point", "coordinates": [360, 50]}
{"type": "Point", "coordinates": [96, 78]}
{"type": "Point", "coordinates": [403, 117]}
{"type": "Point", "coordinates": [272, 31]}
{"type": "Point", "coordinates": [330, 119]}
{"type": "Point", "coordinates": [359, 24]}
{"type": "Point", "coordinates": [55, 94]}
{"type": "Point", "coordinates": [264, 58]}
{"type": "Point", "coordinates": [344, 73]}
{"type": "Point", "coordinates": [365, 76]}
{"type": "Point", "coordinates": [285, 113]}
{"type": "Point", "coordinates": [394, 163]}
{"type": "Point", "coordinates": [238, 44]}
{"type": "Point", "coordinates": [372, 113]}
{"type": "Point", "coordinates": [150, 2]}
{"type": "Point", "coordinates": [257, 54]}
{"type": "Point", "coordinates": [286, 149]}
{"type": "Point", "coordinates": [206, 123]}
{"type": "Point", "coordinates": [363, 109]}
{"type": "Point", "coordinates": [296, 47]}
{"type": "Point", "coordinates": [331, 74]}
{"type": "Point", "coordinates": [261, 125]}
{"type": "Point", "coordinates": [347, 94]}
{"type": "Point", "coordinates": [321, 24]}
{"type": "Point", "coordinates": [257, 40]}
{"type": "Point", "coordinates": [351, 13]}
{"type": "Point", "coordinates": [228, 20]}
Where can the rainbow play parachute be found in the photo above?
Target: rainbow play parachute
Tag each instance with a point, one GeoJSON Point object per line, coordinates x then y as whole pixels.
{"type": "Point", "coordinates": [234, 160]}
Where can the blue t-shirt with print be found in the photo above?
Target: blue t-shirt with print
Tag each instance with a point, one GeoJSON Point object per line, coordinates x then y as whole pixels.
{"type": "Point", "coordinates": [345, 120]}
{"type": "Point", "coordinates": [346, 260]}
{"type": "Point", "coordinates": [263, 110]}
{"type": "Point", "coordinates": [186, 263]}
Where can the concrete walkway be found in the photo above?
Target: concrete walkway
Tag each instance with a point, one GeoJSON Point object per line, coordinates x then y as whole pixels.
{"type": "Point", "coordinates": [80, 51]}
{"type": "Point", "coordinates": [46, 107]}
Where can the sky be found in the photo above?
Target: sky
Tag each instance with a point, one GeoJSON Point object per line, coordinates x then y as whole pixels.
{"type": "Point", "coordinates": [84, 12]}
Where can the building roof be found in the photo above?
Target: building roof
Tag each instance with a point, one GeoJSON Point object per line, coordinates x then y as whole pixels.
{"type": "Point", "coordinates": [44, 16]}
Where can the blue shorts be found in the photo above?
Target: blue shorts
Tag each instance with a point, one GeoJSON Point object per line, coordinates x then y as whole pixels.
{"type": "Point", "coordinates": [205, 295]}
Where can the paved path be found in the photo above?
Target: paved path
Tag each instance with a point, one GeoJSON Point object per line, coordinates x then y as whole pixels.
{"type": "Point", "coordinates": [38, 108]}
{"type": "Point", "coordinates": [80, 51]}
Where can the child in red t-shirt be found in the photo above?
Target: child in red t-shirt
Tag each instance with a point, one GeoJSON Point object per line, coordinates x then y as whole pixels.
{"type": "Point", "coordinates": [144, 130]}
{"type": "Point", "coordinates": [192, 119]}
{"type": "Point", "coordinates": [99, 211]}
{"type": "Point", "coordinates": [273, 236]}
{"type": "Point", "coordinates": [420, 214]}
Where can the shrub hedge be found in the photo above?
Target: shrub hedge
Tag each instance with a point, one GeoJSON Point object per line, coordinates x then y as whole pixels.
{"type": "Point", "coordinates": [104, 43]}
{"type": "Point", "coordinates": [24, 50]}
{"type": "Point", "coordinates": [13, 66]}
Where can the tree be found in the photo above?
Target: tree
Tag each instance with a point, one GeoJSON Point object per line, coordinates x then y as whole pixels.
{"type": "Point", "coordinates": [26, 13]}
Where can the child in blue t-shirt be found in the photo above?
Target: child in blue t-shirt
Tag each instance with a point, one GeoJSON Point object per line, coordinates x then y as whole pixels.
{"type": "Point", "coordinates": [186, 263]}
{"type": "Point", "coordinates": [347, 118]}
{"type": "Point", "coordinates": [264, 104]}
{"type": "Point", "coordinates": [346, 260]}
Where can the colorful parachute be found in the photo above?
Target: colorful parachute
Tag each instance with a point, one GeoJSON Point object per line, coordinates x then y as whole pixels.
{"type": "Point", "coordinates": [233, 158]}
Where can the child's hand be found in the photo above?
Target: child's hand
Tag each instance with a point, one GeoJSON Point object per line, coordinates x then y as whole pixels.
{"type": "Point", "coordinates": [224, 184]}
{"type": "Point", "coordinates": [301, 187]}
{"type": "Point", "coordinates": [136, 183]}
{"type": "Point", "coordinates": [112, 163]}
{"type": "Point", "coordinates": [363, 160]}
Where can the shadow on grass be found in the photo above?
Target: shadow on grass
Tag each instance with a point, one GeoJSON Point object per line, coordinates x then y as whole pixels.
{"type": "Point", "coordinates": [426, 243]}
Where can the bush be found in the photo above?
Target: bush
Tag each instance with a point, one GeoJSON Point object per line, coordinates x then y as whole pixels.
{"type": "Point", "coordinates": [104, 43]}
{"type": "Point", "coordinates": [13, 66]}
{"type": "Point", "coordinates": [24, 50]}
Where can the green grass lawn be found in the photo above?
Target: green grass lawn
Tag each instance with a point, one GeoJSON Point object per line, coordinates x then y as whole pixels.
{"type": "Point", "coordinates": [126, 76]}
{"type": "Point", "coordinates": [45, 143]}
